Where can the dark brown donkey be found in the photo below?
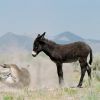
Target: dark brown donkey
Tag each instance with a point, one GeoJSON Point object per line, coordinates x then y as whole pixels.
{"type": "Point", "coordinates": [77, 51]}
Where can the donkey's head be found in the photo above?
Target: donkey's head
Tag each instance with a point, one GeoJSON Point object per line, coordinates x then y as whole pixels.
{"type": "Point", "coordinates": [38, 44]}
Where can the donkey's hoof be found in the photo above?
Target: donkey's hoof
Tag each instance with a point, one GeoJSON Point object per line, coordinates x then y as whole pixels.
{"type": "Point", "coordinates": [79, 86]}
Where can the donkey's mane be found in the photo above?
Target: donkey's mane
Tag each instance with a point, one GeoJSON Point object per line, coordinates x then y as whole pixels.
{"type": "Point", "coordinates": [50, 42]}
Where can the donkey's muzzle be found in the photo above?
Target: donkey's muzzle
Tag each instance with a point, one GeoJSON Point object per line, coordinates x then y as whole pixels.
{"type": "Point", "coordinates": [34, 53]}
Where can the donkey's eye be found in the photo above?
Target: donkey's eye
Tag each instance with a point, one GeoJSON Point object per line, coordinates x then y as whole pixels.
{"type": "Point", "coordinates": [36, 47]}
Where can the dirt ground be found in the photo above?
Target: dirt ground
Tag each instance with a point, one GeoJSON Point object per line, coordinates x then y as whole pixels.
{"type": "Point", "coordinates": [44, 81]}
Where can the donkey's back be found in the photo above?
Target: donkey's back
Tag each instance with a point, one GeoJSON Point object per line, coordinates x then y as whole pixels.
{"type": "Point", "coordinates": [72, 52]}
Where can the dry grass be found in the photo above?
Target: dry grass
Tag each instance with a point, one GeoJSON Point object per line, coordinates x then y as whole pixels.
{"type": "Point", "coordinates": [44, 81]}
{"type": "Point", "coordinates": [86, 93]}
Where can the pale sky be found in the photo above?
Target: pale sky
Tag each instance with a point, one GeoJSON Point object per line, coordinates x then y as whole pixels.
{"type": "Point", "coordinates": [81, 17]}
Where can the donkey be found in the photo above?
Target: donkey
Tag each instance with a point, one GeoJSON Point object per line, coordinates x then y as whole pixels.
{"type": "Point", "coordinates": [59, 54]}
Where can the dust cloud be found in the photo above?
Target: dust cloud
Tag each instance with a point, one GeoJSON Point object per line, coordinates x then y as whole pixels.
{"type": "Point", "coordinates": [38, 72]}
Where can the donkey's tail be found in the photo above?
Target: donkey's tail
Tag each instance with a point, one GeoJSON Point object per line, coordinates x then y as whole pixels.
{"type": "Point", "coordinates": [91, 57]}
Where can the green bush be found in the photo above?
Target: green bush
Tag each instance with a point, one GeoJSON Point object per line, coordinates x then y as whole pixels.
{"type": "Point", "coordinates": [8, 98]}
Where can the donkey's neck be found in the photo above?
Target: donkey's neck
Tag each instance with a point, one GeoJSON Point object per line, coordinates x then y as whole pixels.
{"type": "Point", "coordinates": [49, 47]}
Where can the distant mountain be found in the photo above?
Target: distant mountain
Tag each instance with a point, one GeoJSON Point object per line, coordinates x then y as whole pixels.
{"type": "Point", "coordinates": [67, 37]}
{"type": "Point", "coordinates": [12, 41]}
{"type": "Point", "coordinates": [94, 41]}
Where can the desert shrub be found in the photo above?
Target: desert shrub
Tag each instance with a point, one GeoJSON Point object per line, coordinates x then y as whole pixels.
{"type": "Point", "coordinates": [97, 75]}
{"type": "Point", "coordinates": [96, 67]}
{"type": "Point", "coordinates": [96, 63]}
{"type": "Point", "coordinates": [91, 96]}
{"type": "Point", "coordinates": [7, 97]}
{"type": "Point", "coordinates": [20, 98]}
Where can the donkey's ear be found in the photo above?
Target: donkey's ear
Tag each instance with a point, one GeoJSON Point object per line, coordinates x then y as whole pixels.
{"type": "Point", "coordinates": [38, 35]}
{"type": "Point", "coordinates": [43, 34]}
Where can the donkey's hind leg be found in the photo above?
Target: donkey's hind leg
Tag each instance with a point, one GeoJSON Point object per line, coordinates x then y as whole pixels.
{"type": "Point", "coordinates": [83, 66]}
{"type": "Point", "coordinates": [89, 73]}
{"type": "Point", "coordinates": [83, 70]}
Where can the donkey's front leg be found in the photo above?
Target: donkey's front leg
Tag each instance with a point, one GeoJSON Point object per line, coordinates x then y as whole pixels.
{"type": "Point", "coordinates": [60, 73]}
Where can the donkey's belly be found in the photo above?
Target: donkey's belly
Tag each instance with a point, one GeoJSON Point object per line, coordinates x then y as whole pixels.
{"type": "Point", "coordinates": [65, 59]}
{"type": "Point", "coordinates": [70, 60]}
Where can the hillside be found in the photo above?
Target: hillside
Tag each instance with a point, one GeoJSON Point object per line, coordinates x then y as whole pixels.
{"type": "Point", "coordinates": [66, 37]}
{"type": "Point", "coordinates": [14, 42]}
